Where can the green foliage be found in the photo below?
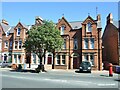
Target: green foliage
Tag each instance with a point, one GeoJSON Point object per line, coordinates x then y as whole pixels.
{"type": "Point", "coordinates": [44, 37]}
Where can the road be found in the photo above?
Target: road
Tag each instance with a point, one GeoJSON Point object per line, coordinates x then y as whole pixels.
{"type": "Point", "coordinates": [58, 79]}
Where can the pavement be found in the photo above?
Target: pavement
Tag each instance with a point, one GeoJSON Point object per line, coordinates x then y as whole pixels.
{"type": "Point", "coordinates": [58, 79]}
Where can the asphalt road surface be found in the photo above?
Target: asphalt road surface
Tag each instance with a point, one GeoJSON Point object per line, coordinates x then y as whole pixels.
{"type": "Point", "coordinates": [58, 79]}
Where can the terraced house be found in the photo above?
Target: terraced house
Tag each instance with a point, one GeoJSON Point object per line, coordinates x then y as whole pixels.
{"type": "Point", "coordinates": [82, 42]}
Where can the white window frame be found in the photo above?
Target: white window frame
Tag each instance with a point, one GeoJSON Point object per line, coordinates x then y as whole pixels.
{"type": "Point", "coordinates": [62, 29]}
{"type": "Point", "coordinates": [57, 59]}
{"type": "Point", "coordinates": [34, 58]}
{"type": "Point", "coordinates": [64, 44]}
{"type": "Point", "coordinates": [17, 31]}
{"type": "Point", "coordinates": [92, 63]}
{"type": "Point", "coordinates": [92, 43]}
{"type": "Point", "coordinates": [88, 27]}
{"type": "Point", "coordinates": [19, 44]}
{"type": "Point", "coordinates": [6, 44]}
{"type": "Point", "coordinates": [63, 59]}
{"type": "Point", "coordinates": [18, 60]}
{"type": "Point", "coordinates": [15, 45]}
{"type": "Point", "coordinates": [85, 55]}
{"type": "Point", "coordinates": [15, 59]}
{"type": "Point", "coordinates": [86, 46]}
{"type": "Point", "coordinates": [75, 43]}
{"type": "Point", "coordinates": [11, 45]}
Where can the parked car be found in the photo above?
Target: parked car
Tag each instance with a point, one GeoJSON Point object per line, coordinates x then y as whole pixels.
{"type": "Point", "coordinates": [5, 64]}
{"type": "Point", "coordinates": [85, 66]}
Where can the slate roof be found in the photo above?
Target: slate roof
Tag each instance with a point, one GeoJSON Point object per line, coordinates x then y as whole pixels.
{"type": "Point", "coordinates": [76, 24]}
{"type": "Point", "coordinates": [5, 27]}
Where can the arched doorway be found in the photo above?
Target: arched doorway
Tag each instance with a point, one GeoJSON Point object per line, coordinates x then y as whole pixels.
{"type": "Point", "coordinates": [75, 60]}
{"type": "Point", "coordinates": [49, 59]}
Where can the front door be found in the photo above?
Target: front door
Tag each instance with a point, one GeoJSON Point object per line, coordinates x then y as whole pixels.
{"type": "Point", "coordinates": [74, 62]}
{"type": "Point", "coordinates": [49, 59]}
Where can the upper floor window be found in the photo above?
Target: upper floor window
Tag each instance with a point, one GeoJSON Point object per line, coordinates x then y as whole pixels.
{"type": "Point", "coordinates": [6, 44]}
{"type": "Point", "coordinates": [64, 44]}
{"type": "Point", "coordinates": [86, 57]}
{"type": "Point", "coordinates": [10, 45]}
{"type": "Point", "coordinates": [7, 34]}
{"type": "Point", "coordinates": [18, 31]}
{"type": "Point", "coordinates": [62, 29]}
{"type": "Point", "coordinates": [92, 43]}
{"type": "Point", "coordinates": [86, 43]}
{"type": "Point", "coordinates": [20, 44]}
{"type": "Point", "coordinates": [89, 27]}
{"type": "Point", "coordinates": [75, 43]}
{"type": "Point", "coordinates": [16, 44]}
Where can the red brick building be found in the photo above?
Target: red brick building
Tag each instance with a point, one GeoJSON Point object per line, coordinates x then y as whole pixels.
{"type": "Point", "coordinates": [82, 42]}
{"type": "Point", "coordinates": [110, 41]}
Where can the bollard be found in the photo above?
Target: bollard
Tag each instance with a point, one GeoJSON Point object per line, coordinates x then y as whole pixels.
{"type": "Point", "coordinates": [110, 70]}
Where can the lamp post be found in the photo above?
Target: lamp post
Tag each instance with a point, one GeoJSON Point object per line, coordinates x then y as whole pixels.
{"type": "Point", "coordinates": [69, 50]}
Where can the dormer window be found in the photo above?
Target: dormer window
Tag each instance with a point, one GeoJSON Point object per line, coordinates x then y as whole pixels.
{"type": "Point", "coordinates": [89, 27]}
{"type": "Point", "coordinates": [62, 29]}
{"type": "Point", "coordinates": [7, 34]}
{"type": "Point", "coordinates": [18, 31]}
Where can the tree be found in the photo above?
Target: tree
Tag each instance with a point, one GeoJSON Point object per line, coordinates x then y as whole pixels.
{"type": "Point", "coordinates": [45, 37]}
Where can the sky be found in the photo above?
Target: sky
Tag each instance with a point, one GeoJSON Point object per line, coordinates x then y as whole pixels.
{"type": "Point", "coordinates": [26, 12]}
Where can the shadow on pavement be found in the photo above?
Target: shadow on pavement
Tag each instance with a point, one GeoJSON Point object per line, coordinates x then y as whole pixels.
{"type": "Point", "coordinates": [81, 71]}
{"type": "Point", "coordinates": [25, 70]}
{"type": "Point", "coordinates": [117, 80]}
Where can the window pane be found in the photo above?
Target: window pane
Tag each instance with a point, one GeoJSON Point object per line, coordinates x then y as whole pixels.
{"type": "Point", "coordinates": [62, 30]}
{"type": "Point", "coordinates": [92, 59]}
{"type": "Point", "coordinates": [86, 43]}
{"type": "Point", "coordinates": [89, 27]}
{"type": "Point", "coordinates": [16, 44]}
{"type": "Point", "coordinates": [20, 44]}
{"type": "Point", "coordinates": [75, 44]}
{"type": "Point", "coordinates": [92, 43]}
{"type": "Point", "coordinates": [64, 45]}
{"type": "Point", "coordinates": [18, 31]}
{"type": "Point", "coordinates": [58, 59]}
{"type": "Point", "coordinates": [63, 59]}
{"type": "Point", "coordinates": [86, 57]}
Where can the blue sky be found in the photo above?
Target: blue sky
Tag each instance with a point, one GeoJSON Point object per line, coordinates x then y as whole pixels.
{"type": "Point", "coordinates": [73, 11]}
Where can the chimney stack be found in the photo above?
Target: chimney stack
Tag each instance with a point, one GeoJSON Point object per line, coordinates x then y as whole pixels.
{"type": "Point", "coordinates": [110, 18]}
{"type": "Point", "coordinates": [38, 20]}
{"type": "Point", "coordinates": [4, 21]}
{"type": "Point", "coordinates": [98, 17]}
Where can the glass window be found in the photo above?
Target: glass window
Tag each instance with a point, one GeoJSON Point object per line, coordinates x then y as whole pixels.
{"type": "Point", "coordinates": [34, 58]}
{"type": "Point", "coordinates": [10, 45]}
{"type": "Point", "coordinates": [6, 44]}
{"type": "Point", "coordinates": [19, 57]}
{"type": "Point", "coordinates": [62, 29]}
{"type": "Point", "coordinates": [58, 59]}
{"type": "Point", "coordinates": [63, 59]}
{"type": "Point", "coordinates": [7, 34]}
{"type": "Point", "coordinates": [86, 57]}
{"type": "Point", "coordinates": [18, 31]}
{"type": "Point", "coordinates": [92, 43]}
{"type": "Point", "coordinates": [20, 44]}
{"type": "Point", "coordinates": [16, 44]}
{"type": "Point", "coordinates": [75, 43]}
{"type": "Point", "coordinates": [92, 59]}
{"type": "Point", "coordinates": [86, 43]}
{"type": "Point", "coordinates": [89, 27]}
{"type": "Point", "coordinates": [64, 45]}
{"type": "Point", "coordinates": [15, 58]}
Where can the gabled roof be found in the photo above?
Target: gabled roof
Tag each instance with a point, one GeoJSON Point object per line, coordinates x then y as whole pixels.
{"type": "Point", "coordinates": [5, 27]}
{"type": "Point", "coordinates": [76, 24]}
{"type": "Point", "coordinates": [89, 17]}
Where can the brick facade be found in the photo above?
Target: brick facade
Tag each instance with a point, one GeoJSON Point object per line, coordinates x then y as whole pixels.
{"type": "Point", "coordinates": [110, 42]}
{"type": "Point", "coordinates": [73, 53]}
